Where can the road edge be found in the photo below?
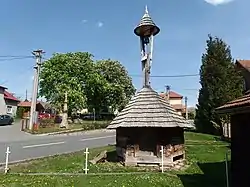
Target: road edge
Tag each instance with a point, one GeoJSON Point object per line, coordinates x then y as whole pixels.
{"type": "Point", "coordinates": [72, 132]}
{"type": "Point", "coordinates": [22, 161]}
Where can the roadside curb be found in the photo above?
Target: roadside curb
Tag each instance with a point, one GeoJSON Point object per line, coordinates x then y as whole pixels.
{"type": "Point", "coordinates": [74, 131]}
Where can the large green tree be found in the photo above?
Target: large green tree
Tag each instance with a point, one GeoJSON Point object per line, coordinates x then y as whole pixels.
{"type": "Point", "coordinates": [64, 75]}
{"type": "Point", "coordinates": [85, 83]}
{"type": "Point", "coordinates": [110, 86]}
{"type": "Point", "coordinates": [220, 83]}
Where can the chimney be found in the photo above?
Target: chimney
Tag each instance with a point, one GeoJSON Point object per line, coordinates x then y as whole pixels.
{"type": "Point", "coordinates": [167, 92]}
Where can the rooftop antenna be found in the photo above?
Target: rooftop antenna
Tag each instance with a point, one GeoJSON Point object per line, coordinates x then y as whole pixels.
{"type": "Point", "coordinates": [26, 95]}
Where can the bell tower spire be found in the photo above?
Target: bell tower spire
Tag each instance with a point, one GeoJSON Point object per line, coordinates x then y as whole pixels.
{"type": "Point", "coordinates": [146, 9]}
{"type": "Point", "coordinates": [146, 30]}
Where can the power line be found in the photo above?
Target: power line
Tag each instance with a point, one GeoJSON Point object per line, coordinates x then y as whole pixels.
{"type": "Point", "coordinates": [192, 89]}
{"type": "Point", "coordinates": [160, 76]}
{"type": "Point", "coordinates": [19, 74]}
{"type": "Point", "coordinates": [169, 76]}
{"type": "Point", "coordinates": [3, 82]}
{"type": "Point", "coordinates": [15, 58]}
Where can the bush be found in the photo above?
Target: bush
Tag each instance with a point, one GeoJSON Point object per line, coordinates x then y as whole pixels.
{"type": "Point", "coordinates": [46, 123]}
{"type": "Point", "coordinates": [95, 125]}
{"type": "Point", "coordinates": [20, 112]}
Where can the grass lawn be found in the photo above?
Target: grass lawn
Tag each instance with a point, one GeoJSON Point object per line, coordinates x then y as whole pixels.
{"type": "Point", "coordinates": [75, 127]}
{"type": "Point", "coordinates": [205, 155]}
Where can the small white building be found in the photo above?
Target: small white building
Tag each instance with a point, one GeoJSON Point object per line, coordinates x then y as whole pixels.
{"type": "Point", "coordinates": [8, 102]}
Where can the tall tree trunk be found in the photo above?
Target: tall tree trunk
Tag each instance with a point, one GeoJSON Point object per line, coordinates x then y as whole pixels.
{"type": "Point", "coordinates": [64, 123]}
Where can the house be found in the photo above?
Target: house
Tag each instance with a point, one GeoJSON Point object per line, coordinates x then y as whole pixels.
{"type": "Point", "coordinates": [8, 102]}
{"type": "Point", "coordinates": [175, 100]}
{"type": "Point", "coordinates": [239, 111]}
{"type": "Point", "coordinates": [26, 105]}
{"type": "Point", "coordinates": [244, 67]}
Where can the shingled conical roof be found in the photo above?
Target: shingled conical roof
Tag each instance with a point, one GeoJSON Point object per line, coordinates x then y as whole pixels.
{"type": "Point", "coordinates": [146, 26]}
{"type": "Point", "coordinates": [148, 109]}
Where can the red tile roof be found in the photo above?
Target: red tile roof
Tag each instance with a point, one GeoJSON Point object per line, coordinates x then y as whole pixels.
{"type": "Point", "coordinates": [172, 94]}
{"type": "Point", "coordinates": [10, 96]}
{"type": "Point", "coordinates": [25, 104]}
{"type": "Point", "coordinates": [244, 63]}
{"type": "Point", "coordinates": [28, 104]}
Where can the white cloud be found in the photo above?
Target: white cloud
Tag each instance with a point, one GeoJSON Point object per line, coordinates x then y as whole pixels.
{"type": "Point", "coordinates": [99, 24]}
{"type": "Point", "coordinates": [84, 21]}
{"type": "Point", "coordinates": [218, 2]}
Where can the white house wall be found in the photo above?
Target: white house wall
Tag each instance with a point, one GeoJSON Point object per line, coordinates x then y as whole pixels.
{"type": "Point", "coordinates": [13, 105]}
{"type": "Point", "coordinates": [175, 101]}
{"type": "Point", "coordinates": [2, 102]}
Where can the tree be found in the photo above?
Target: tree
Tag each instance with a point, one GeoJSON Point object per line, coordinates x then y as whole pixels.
{"type": "Point", "coordinates": [220, 83]}
{"type": "Point", "coordinates": [110, 87]}
{"type": "Point", "coordinates": [96, 92]}
{"type": "Point", "coordinates": [65, 74]}
{"type": "Point", "coordinates": [76, 78]}
{"type": "Point", "coordinates": [191, 115]}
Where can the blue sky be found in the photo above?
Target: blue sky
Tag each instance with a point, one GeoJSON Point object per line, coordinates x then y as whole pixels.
{"type": "Point", "coordinates": [105, 28]}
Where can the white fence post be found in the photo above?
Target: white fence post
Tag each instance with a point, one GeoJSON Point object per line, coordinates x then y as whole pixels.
{"type": "Point", "coordinates": [6, 169]}
{"type": "Point", "coordinates": [162, 160]}
{"type": "Point", "coordinates": [86, 161]}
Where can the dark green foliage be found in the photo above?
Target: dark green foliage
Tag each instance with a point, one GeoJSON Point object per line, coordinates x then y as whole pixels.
{"type": "Point", "coordinates": [191, 115]}
{"type": "Point", "coordinates": [20, 111]}
{"type": "Point", "coordinates": [220, 83]}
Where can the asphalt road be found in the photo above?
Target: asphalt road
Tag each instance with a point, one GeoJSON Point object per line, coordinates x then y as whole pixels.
{"type": "Point", "coordinates": [40, 146]}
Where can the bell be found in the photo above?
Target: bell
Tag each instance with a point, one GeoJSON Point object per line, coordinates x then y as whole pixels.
{"type": "Point", "coordinates": [146, 27]}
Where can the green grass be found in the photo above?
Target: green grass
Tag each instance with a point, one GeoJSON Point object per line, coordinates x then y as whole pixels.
{"type": "Point", "coordinates": [75, 127]}
{"type": "Point", "coordinates": [206, 159]}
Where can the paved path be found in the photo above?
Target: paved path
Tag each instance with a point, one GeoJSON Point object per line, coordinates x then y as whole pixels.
{"type": "Point", "coordinates": [13, 132]}
{"type": "Point", "coordinates": [28, 146]}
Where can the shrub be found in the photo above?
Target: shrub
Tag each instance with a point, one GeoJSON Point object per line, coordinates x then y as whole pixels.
{"type": "Point", "coordinates": [46, 123]}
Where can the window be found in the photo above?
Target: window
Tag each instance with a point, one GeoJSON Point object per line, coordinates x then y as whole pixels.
{"type": "Point", "coordinates": [9, 109]}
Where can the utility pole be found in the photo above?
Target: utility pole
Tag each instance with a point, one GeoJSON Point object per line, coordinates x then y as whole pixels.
{"type": "Point", "coordinates": [186, 108]}
{"type": "Point", "coordinates": [38, 55]}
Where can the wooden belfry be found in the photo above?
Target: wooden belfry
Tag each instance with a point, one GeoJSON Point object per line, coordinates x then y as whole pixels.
{"type": "Point", "coordinates": [148, 122]}
{"type": "Point", "coordinates": [146, 30]}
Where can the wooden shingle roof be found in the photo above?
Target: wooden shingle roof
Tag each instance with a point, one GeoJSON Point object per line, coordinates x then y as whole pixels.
{"type": "Point", "coordinates": [241, 102]}
{"type": "Point", "coordinates": [148, 109]}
